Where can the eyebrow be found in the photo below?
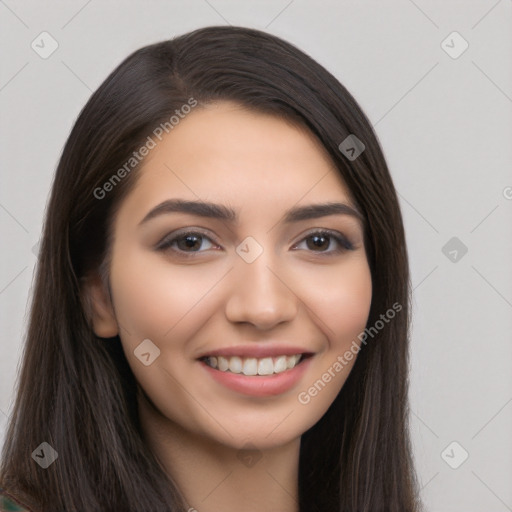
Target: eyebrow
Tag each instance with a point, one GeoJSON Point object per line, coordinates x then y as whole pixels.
{"type": "Point", "coordinates": [224, 213]}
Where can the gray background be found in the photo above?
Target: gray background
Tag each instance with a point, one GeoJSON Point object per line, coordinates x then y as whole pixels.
{"type": "Point", "coordinates": [445, 126]}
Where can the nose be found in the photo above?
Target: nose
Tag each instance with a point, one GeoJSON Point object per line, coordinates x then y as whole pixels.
{"type": "Point", "coordinates": [260, 294]}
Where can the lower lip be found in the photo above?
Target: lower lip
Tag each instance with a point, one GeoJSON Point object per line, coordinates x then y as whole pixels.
{"type": "Point", "coordinates": [260, 385]}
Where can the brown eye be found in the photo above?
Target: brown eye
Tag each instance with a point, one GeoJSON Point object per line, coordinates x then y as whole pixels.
{"type": "Point", "coordinates": [190, 242]}
{"type": "Point", "coordinates": [320, 241]}
{"type": "Point", "coordinates": [185, 242]}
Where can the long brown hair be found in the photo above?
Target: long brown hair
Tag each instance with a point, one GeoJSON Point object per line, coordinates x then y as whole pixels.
{"type": "Point", "coordinates": [76, 391]}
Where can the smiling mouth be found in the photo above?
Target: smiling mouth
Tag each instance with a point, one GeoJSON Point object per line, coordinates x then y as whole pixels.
{"type": "Point", "coordinates": [251, 366]}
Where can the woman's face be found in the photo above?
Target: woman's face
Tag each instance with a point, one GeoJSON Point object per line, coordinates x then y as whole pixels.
{"type": "Point", "coordinates": [214, 308]}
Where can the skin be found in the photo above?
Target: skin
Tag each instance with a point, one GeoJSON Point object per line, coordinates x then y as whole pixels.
{"type": "Point", "coordinates": [312, 297]}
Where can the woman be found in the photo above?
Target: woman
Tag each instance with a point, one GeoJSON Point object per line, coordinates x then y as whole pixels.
{"type": "Point", "coordinates": [266, 371]}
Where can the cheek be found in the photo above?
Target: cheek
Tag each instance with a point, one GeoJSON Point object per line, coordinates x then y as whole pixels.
{"type": "Point", "coordinates": [349, 310]}
{"type": "Point", "coordinates": [167, 304]}
{"type": "Point", "coordinates": [155, 298]}
{"type": "Point", "coordinates": [340, 301]}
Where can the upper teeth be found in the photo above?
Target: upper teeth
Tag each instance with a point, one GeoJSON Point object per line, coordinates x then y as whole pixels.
{"type": "Point", "coordinates": [253, 366]}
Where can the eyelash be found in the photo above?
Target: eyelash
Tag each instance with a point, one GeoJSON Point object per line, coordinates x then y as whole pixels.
{"type": "Point", "coordinates": [343, 242]}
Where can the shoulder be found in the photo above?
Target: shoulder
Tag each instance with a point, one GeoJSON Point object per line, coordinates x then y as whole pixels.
{"type": "Point", "coordinates": [9, 504]}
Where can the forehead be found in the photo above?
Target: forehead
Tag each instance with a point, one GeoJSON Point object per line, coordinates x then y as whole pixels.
{"type": "Point", "coordinates": [248, 159]}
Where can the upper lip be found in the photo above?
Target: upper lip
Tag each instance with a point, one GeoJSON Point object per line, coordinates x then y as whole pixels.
{"type": "Point", "coordinates": [256, 350]}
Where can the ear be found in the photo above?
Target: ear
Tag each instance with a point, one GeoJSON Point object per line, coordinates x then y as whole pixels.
{"type": "Point", "coordinates": [98, 307]}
